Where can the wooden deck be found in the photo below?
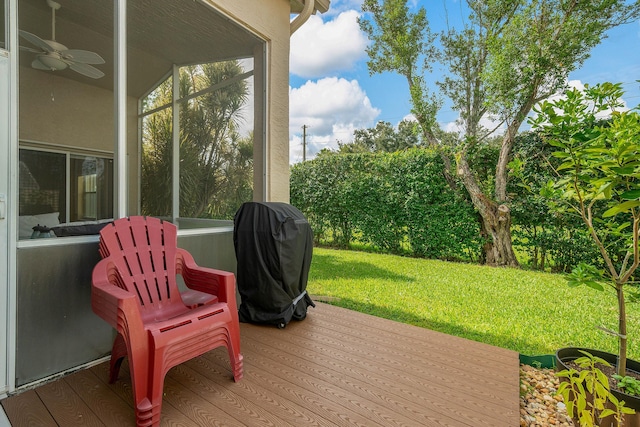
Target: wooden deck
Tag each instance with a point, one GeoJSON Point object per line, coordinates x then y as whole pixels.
{"type": "Point", "coordinates": [335, 368]}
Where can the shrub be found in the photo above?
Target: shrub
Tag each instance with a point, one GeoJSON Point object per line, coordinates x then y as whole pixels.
{"type": "Point", "coordinates": [397, 202]}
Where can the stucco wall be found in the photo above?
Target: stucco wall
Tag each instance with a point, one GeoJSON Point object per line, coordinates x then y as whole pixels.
{"type": "Point", "coordinates": [270, 21]}
{"type": "Point", "coordinates": [59, 111]}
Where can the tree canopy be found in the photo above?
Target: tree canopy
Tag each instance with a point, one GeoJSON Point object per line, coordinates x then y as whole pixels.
{"type": "Point", "coordinates": [381, 138]}
{"type": "Point", "coordinates": [509, 55]}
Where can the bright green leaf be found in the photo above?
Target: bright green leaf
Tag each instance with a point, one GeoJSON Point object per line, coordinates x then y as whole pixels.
{"type": "Point", "coordinates": [622, 207]}
{"type": "Point", "coordinates": [631, 194]}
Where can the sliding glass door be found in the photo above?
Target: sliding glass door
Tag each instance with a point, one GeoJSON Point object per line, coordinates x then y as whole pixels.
{"type": "Point", "coordinates": [5, 134]}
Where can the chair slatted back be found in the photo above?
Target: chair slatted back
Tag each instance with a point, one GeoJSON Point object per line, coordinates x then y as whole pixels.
{"type": "Point", "coordinates": [143, 250]}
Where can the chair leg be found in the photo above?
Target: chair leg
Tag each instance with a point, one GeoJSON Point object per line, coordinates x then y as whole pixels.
{"type": "Point", "coordinates": [148, 391]}
{"type": "Point", "coordinates": [144, 414]}
{"type": "Point", "coordinates": [235, 357]}
{"type": "Point", "coordinates": [118, 353]}
{"type": "Point", "coordinates": [236, 366]}
{"type": "Point", "coordinates": [147, 413]}
{"type": "Point", "coordinates": [148, 403]}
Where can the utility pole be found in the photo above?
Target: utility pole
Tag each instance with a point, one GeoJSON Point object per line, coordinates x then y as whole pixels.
{"type": "Point", "coordinates": [304, 142]}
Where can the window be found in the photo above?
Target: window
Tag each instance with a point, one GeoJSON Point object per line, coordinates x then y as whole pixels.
{"type": "Point", "coordinates": [91, 188]}
{"type": "Point", "coordinates": [59, 187]}
{"type": "Point", "coordinates": [42, 187]}
{"type": "Point", "coordinates": [216, 142]}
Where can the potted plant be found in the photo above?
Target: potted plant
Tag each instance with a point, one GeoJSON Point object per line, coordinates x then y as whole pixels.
{"type": "Point", "coordinates": [587, 393]}
{"type": "Point", "coordinates": [586, 388]}
{"type": "Point", "coordinates": [598, 145]}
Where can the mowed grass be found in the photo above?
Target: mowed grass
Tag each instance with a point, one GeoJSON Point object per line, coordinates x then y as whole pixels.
{"type": "Point", "coordinates": [530, 312]}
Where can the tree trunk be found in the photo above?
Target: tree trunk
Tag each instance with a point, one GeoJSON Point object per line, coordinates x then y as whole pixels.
{"type": "Point", "coordinates": [497, 224]}
{"type": "Point", "coordinates": [622, 331]}
{"type": "Point", "coordinates": [536, 251]}
{"type": "Point", "coordinates": [496, 221]}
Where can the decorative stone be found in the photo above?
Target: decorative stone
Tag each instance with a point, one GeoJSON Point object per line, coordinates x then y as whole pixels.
{"type": "Point", "coordinates": [539, 404]}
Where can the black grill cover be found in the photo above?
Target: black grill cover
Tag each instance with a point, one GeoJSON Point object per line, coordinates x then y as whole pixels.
{"type": "Point", "coordinates": [274, 246]}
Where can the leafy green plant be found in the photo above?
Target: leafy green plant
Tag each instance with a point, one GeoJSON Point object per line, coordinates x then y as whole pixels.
{"type": "Point", "coordinates": [553, 240]}
{"type": "Point", "coordinates": [587, 391]}
{"type": "Point", "coordinates": [629, 385]}
{"type": "Point", "coordinates": [394, 202]}
{"type": "Point", "coordinates": [599, 180]}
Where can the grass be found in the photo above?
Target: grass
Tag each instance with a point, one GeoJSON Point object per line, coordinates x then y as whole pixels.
{"type": "Point", "coordinates": [530, 312]}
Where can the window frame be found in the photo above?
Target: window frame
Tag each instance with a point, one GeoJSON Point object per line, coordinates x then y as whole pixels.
{"type": "Point", "coordinates": [176, 105]}
{"type": "Point", "coordinates": [70, 152]}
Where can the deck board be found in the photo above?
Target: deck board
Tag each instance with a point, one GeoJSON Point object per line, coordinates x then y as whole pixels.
{"type": "Point", "coordinates": [27, 410]}
{"type": "Point", "coordinates": [101, 398]}
{"type": "Point", "coordinates": [65, 406]}
{"type": "Point", "coordinates": [335, 368]}
{"type": "Point", "coordinates": [396, 388]}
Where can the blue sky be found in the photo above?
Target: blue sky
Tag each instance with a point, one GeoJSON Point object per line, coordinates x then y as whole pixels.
{"type": "Point", "coordinates": [332, 93]}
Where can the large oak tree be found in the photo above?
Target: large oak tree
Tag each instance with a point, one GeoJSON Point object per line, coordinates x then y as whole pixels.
{"type": "Point", "coordinates": [509, 55]}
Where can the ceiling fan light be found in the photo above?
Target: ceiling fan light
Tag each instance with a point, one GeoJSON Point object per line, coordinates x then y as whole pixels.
{"type": "Point", "coordinates": [52, 62]}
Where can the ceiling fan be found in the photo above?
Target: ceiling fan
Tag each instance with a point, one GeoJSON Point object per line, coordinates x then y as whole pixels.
{"type": "Point", "coordinates": [54, 56]}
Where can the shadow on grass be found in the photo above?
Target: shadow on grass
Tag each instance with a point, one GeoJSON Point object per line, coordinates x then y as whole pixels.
{"type": "Point", "coordinates": [511, 343]}
{"type": "Point", "coordinates": [329, 267]}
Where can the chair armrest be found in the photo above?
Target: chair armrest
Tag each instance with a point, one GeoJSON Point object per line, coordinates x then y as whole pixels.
{"type": "Point", "coordinates": [209, 280]}
{"type": "Point", "coordinates": [115, 305]}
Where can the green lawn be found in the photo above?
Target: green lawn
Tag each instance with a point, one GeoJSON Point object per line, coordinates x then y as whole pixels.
{"type": "Point", "coordinates": [529, 312]}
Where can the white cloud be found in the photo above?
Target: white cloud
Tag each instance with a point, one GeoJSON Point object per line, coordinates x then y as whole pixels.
{"type": "Point", "coordinates": [452, 127]}
{"type": "Point", "coordinates": [487, 122]}
{"type": "Point", "coordinates": [331, 108]}
{"type": "Point", "coordinates": [573, 84]}
{"type": "Point", "coordinates": [408, 118]}
{"type": "Point", "coordinates": [323, 48]}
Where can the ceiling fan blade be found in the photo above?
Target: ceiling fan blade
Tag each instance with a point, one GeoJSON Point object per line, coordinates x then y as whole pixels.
{"type": "Point", "coordinates": [82, 56]}
{"type": "Point", "coordinates": [28, 49]}
{"type": "Point", "coordinates": [36, 41]}
{"type": "Point", "coordinates": [86, 70]}
{"type": "Point", "coordinates": [39, 65]}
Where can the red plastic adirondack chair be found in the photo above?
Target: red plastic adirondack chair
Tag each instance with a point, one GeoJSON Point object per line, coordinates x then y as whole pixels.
{"type": "Point", "coordinates": [134, 289]}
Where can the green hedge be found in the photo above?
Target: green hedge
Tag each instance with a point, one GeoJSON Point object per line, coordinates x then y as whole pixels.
{"type": "Point", "coordinates": [552, 240]}
{"type": "Point", "coordinates": [400, 203]}
{"type": "Point", "coordinates": [396, 202]}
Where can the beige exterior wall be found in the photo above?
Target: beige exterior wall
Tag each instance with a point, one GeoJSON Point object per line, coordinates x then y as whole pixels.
{"type": "Point", "coordinates": [59, 111]}
{"type": "Point", "coordinates": [62, 112]}
{"type": "Point", "coordinates": [270, 21]}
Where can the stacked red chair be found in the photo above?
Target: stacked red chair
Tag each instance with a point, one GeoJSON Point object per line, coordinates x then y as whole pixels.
{"type": "Point", "coordinates": [134, 289]}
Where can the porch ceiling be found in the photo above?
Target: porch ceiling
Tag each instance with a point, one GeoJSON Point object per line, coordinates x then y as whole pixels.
{"type": "Point", "coordinates": [160, 33]}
